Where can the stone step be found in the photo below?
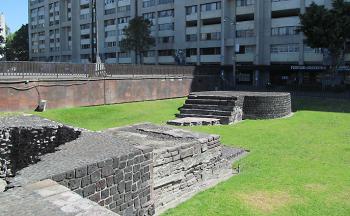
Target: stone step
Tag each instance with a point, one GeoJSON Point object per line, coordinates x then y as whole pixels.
{"type": "Point", "coordinates": [190, 121]}
{"type": "Point", "coordinates": [208, 107]}
{"type": "Point", "coordinates": [212, 97]}
{"type": "Point", "coordinates": [206, 112]}
{"type": "Point", "coordinates": [223, 119]}
{"type": "Point", "coordinates": [211, 102]}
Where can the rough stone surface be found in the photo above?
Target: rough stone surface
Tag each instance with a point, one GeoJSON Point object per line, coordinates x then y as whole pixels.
{"type": "Point", "coordinates": [231, 107]}
{"type": "Point", "coordinates": [48, 198]}
{"type": "Point", "coordinates": [91, 158]}
{"type": "Point", "coordinates": [3, 185]}
{"type": "Point", "coordinates": [194, 121]}
{"type": "Point", "coordinates": [184, 162]}
{"type": "Point", "coordinates": [135, 170]}
{"type": "Point", "coordinates": [23, 139]}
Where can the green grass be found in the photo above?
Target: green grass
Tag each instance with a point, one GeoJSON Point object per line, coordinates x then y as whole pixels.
{"type": "Point", "coordinates": [102, 117]}
{"type": "Point", "coordinates": [297, 166]}
{"type": "Point", "coordinates": [3, 114]}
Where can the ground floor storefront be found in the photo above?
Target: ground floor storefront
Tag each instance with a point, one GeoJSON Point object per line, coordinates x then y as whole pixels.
{"type": "Point", "coordinates": [306, 76]}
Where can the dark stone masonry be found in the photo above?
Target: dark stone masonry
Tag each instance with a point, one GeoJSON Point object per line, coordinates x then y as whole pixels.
{"type": "Point", "coordinates": [233, 106]}
{"type": "Point", "coordinates": [24, 139]}
{"type": "Point", "coordinates": [183, 162]}
{"type": "Point", "coordinates": [137, 170]}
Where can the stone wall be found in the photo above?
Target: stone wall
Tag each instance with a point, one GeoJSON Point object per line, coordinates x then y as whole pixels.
{"type": "Point", "coordinates": [19, 96]}
{"type": "Point", "coordinates": [121, 184]}
{"type": "Point", "coordinates": [97, 166]}
{"type": "Point", "coordinates": [184, 162]}
{"type": "Point", "coordinates": [181, 171]}
{"type": "Point", "coordinates": [267, 106]}
{"type": "Point", "coordinates": [255, 105]}
{"type": "Point", "coordinates": [22, 145]}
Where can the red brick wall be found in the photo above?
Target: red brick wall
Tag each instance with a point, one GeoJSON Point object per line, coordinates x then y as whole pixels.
{"type": "Point", "coordinates": [60, 93]}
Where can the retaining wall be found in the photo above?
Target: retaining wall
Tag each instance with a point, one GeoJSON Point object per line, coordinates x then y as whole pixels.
{"type": "Point", "coordinates": [121, 184]}
{"type": "Point", "coordinates": [181, 171]}
{"type": "Point", "coordinates": [75, 93]}
{"type": "Point", "coordinates": [184, 162]}
{"type": "Point", "coordinates": [267, 106]}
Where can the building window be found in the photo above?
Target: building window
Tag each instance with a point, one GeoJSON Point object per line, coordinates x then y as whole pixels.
{"type": "Point", "coordinates": [285, 48]}
{"type": "Point", "coordinates": [191, 10]}
{"type": "Point", "coordinates": [211, 6]}
{"type": "Point", "coordinates": [284, 31]}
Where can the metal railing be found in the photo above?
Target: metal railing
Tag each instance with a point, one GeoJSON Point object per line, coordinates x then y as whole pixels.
{"type": "Point", "coordinates": [51, 70]}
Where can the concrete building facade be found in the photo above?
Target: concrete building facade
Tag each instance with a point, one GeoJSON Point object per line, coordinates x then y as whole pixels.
{"type": "Point", "coordinates": [259, 36]}
{"type": "Point", "coordinates": [2, 29]}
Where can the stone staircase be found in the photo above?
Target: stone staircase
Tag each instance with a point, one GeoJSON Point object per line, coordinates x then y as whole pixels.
{"type": "Point", "coordinates": [224, 108]}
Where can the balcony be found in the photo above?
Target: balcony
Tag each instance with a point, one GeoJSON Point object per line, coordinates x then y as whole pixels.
{"type": "Point", "coordinates": [245, 10]}
{"type": "Point", "coordinates": [211, 28]}
{"type": "Point", "coordinates": [191, 30]}
{"type": "Point", "coordinates": [246, 57]}
{"type": "Point", "coordinates": [285, 5]}
{"type": "Point", "coordinates": [163, 20]}
{"type": "Point", "coordinates": [111, 60]}
{"type": "Point", "coordinates": [166, 59]}
{"type": "Point", "coordinates": [210, 14]}
{"type": "Point", "coordinates": [210, 58]}
{"type": "Point", "coordinates": [286, 21]}
{"type": "Point", "coordinates": [245, 25]}
{"type": "Point", "coordinates": [347, 57]}
{"type": "Point", "coordinates": [285, 57]}
{"type": "Point", "coordinates": [191, 59]}
{"type": "Point", "coordinates": [149, 60]}
{"type": "Point", "coordinates": [319, 2]}
{"type": "Point", "coordinates": [110, 28]}
{"type": "Point", "coordinates": [313, 57]}
{"type": "Point", "coordinates": [192, 17]}
{"type": "Point", "coordinates": [110, 39]}
{"type": "Point", "coordinates": [122, 3]}
{"type": "Point", "coordinates": [124, 60]}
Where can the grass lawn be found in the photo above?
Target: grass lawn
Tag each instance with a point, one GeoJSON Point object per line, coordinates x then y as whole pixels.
{"type": "Point", "coordinates": [297, 166]}
{"type": "Point", "coordinates": [102, 117]}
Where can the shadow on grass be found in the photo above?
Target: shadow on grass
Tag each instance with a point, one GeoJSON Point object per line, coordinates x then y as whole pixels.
{"type": "Point", "coordinates": [320, 104]}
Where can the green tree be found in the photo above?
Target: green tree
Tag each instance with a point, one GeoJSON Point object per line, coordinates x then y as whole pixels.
{"type": "Point", "coordinates": [328, 29]}
{"type": "Point", "coordinates": [17, 45]}
{"type": "Point", "coordinates": [137, 37]}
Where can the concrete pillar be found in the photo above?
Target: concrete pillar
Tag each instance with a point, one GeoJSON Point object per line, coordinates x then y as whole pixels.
{"type": "Point", "coordinates": [256, 78]}
{"type": "Point", "coordinates": [300, 78]}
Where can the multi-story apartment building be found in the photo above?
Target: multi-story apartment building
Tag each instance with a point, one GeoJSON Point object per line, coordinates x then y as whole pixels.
{"type": "Point", "coordinates": [2, 27]}
{"type": "Point", "coordinates": [258, 35]}
{"type": "Point", "coordinates": [2, 32]}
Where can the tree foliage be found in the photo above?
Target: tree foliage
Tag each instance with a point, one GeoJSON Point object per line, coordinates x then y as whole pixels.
{"type": "Point", "coordinates": [137, 36]}
{"type": "Point", "coordinates": [17, 45]}
{"type": "Point", "coordinates": [328, 29]}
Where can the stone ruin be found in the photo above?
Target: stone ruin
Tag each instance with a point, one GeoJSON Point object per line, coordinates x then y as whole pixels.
{"type": "Point", "coordinates": [23, 142]}
{"type": "Point", "coordinates": [142, 169]}
{"type": "Point", "coordinates": [228, 107]}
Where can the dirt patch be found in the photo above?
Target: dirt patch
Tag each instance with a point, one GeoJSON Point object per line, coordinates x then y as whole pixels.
{"type": "Point", "coordinates": [315, 187]}
{"type": "Point", "coordinates": [267, 202]}
{"type": "Point", "coordinates": [341, 197]}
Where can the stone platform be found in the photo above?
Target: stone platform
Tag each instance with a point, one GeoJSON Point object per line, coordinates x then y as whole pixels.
{"type": "Point", "coordinates": [233, 106]}
{"type": "Point", "coordinates": [142, 169]}
{"type": "Point", "coordinates": [192, 121]}
{"type": "Point", "coordinates": [184, 162]}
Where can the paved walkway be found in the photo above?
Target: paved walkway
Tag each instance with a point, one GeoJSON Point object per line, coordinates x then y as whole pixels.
{"type": "Point", "coordinates": [47, 198]}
